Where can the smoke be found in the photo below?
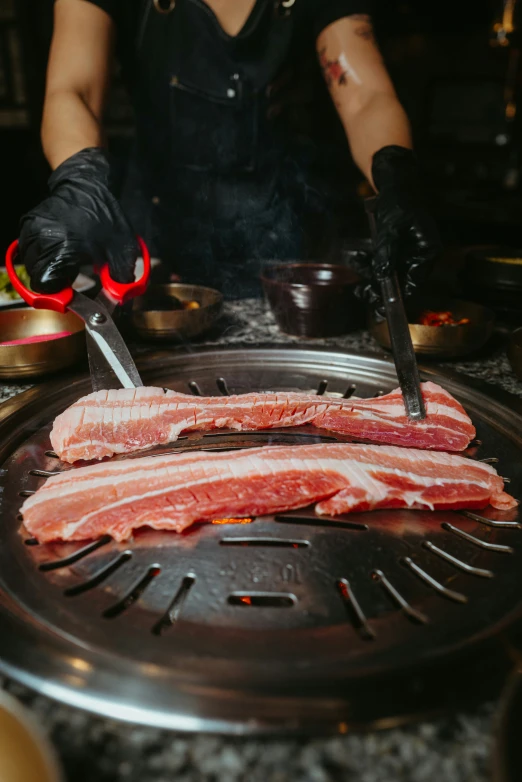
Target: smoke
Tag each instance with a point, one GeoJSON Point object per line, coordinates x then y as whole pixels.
{"type": "Point", "coordinates": [220, 231]}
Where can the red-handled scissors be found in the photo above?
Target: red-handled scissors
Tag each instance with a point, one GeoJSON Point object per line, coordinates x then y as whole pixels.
{"type": "Point", "coordinates": [108, 353]}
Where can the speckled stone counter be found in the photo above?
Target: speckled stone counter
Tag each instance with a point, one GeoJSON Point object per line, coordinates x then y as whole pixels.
{"type": "Point", "coordinates": [456, 748]}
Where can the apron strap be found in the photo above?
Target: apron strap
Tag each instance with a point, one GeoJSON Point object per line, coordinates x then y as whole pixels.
{"type": "Point", "coordinates": [285, 7]}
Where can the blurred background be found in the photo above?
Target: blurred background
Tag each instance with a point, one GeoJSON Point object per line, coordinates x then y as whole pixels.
{"type": "Point", "coordinates": [456, 66]}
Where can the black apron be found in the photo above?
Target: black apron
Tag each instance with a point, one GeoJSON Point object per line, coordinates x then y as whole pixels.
{"type": "Point", "coordinates": [212, 186]}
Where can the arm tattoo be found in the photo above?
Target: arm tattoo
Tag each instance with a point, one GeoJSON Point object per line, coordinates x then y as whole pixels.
{"type": "Point", "coordinates": [364, 27]}
{"type": "Point", "coordinates": [338, 71]}
{"type": "Point", "coordinates": [334, 71]}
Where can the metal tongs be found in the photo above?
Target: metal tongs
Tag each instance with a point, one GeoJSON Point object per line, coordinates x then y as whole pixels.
{"type": "Point", "coordinates": [110, 362]}
{"type": "Point", "coordinates": [402, 346]}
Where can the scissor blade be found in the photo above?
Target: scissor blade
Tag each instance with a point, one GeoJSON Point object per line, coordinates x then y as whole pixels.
{"type": "Point", "coordinates": [121, 365]}
{"type": "Point", "coordinates": [106, 301]}
{"type": "Point", "coordinates": [105, 369]}
{"type": "Point", "coordinates": [102, 375]}
{"type": "Point", "coordinates": [109, 356]}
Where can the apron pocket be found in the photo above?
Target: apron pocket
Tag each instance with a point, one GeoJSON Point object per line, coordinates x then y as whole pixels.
{"type": "Point", "coordinates": [210, 132]}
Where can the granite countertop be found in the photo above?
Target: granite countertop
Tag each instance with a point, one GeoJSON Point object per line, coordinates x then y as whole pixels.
{"type": "Point", "coordinates": [456, 748]}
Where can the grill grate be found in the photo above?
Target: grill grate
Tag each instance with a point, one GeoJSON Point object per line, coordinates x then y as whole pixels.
{"type": "Point", "coordinates": [341, 611]}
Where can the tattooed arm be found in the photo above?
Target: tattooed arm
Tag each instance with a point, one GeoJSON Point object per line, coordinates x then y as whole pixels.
{"type": "Point", "coordinates": [378, 131]}
{"type": "Point", "coordinates": [361, 89]}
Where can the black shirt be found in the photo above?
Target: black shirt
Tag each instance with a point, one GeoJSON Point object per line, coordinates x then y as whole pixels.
{"type": "Point", "coordinates": [311, 16]}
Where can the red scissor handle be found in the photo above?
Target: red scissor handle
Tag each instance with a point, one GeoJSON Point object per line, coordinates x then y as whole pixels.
{"type": "Point", "coordinates": [40, 301]}
{"type": "Point", "coordinates": [123, 291]}
{"type": "Point", "coordinates": [59, 302]}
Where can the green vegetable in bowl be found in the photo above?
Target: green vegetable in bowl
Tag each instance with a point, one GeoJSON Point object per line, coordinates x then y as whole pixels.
{"type": "Point", "coordinates": [6, 288]}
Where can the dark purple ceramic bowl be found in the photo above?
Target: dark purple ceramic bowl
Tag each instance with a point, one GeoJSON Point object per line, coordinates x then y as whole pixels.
{"type": "Point", "coordinates": [313, 299]}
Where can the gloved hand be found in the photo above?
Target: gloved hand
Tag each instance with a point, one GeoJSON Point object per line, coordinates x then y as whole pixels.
{"type": "Point", "coordinates": [79, 223]}
{"type": "Point", "coordinates": [407, 240]}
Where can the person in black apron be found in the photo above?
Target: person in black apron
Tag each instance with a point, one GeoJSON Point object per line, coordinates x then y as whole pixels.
{"type": "Point", "coordinates": [217, 197]}
{"type": "Point", "coordinates": [215, 186]}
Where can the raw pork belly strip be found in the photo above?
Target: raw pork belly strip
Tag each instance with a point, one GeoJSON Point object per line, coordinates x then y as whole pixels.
{"type": "Point", "coordinates": [125, 420]}
{"type": "Point", "coordinates": [173, 491]}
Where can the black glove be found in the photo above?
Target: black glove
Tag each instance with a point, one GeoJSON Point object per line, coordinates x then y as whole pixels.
{"type": "Point", "coordinates": [80, 223]}
{"type": "Point", "coordinates": [407, 240]}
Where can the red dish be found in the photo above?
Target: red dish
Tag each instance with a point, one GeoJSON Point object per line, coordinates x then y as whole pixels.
{"type": "Point", "coordinates": [36, 338]}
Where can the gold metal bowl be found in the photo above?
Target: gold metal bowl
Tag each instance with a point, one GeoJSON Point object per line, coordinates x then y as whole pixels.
{"type": "Point", "coordinates": [442, 341]}
{"type": "Point", "coordinates": [39, 358]}
{"type": "Point", "coordinates": [25, 753]}
{"type": "Point", "coordinates": [171, 324]}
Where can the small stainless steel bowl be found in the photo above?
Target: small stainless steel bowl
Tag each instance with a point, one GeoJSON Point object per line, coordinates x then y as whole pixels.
{"type": "Point", "coordinates": [39, 358]}
{"type": "Point", "coordinates": [161, 324]}
{"type": "Point", "coordinates": [442, 341]}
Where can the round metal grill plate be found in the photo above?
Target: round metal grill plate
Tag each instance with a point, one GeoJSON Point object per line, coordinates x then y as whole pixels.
{"type": "Point", "coordinates": [288, 623]}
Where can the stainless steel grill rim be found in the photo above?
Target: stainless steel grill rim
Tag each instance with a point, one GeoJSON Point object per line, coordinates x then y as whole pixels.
{"type": "Point", "coordinates": [286, 624]}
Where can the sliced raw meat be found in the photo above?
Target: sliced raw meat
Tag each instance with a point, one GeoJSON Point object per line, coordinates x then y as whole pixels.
{"type": "Point", "coordinates": [125, 420]}
{"type": "Point", "coordinates": [172, 491]}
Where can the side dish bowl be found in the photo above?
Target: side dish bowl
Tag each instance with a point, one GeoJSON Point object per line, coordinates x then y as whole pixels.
{"type": "Point", "coordinates": [26, 755]}
{"type": "Point", "coordinates": [155, 316]}
{"type": "Point", "coordinates": [39, 342]}
{"type": "Point", "coordinates": [444, 341]}
{"type": "Point", "coordinates": [312, 299]}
